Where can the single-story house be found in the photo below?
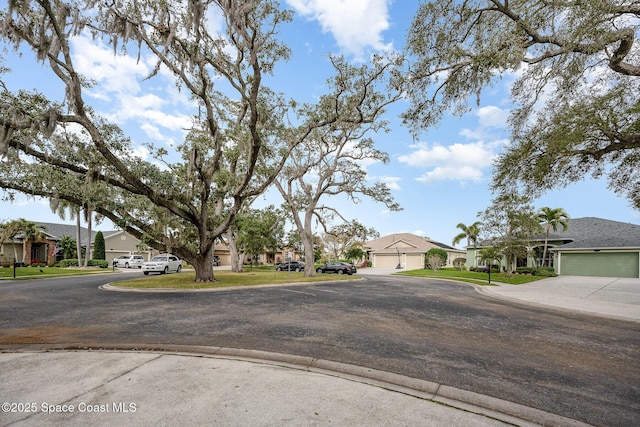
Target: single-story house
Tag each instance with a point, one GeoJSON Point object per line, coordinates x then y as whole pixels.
{"type": "Point", "coordinates": [48, 251]}
{"type": "Point", "coordinates": [117, 243]}
{"type": "Point", "coordinates": [406, 250]}
{"type": "Point", "coordinates": [588, 247]}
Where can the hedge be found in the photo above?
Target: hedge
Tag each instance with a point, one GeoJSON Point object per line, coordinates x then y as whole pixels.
{"type": "Point", "coordinates": [92, 263]}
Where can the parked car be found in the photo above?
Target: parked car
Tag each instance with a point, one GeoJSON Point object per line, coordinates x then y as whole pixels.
{"type": "Point", "coordinates": [129, 261]}
{"type": "Point", "coordinates": [290, 266]}
{"type": "Point", "coordinates": [115, 260]}
{"type": "Point", "coordinates": [337, 267]}
{"type": "Point", "coordinates": [162, 264]}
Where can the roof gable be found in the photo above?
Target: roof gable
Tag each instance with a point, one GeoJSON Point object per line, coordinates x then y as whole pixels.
{"type": "Point", "coordinates": [404, 242]}
{"type": "Point", "coordinates": [400, 244]}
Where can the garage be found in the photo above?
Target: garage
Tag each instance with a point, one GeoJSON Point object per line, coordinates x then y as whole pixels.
{"type": "Point", "coordinates": [385, 261]}
{"type": "Point", "coordinates": [406, 249]}
{"type": "Point", "coordinates": [601, 263]}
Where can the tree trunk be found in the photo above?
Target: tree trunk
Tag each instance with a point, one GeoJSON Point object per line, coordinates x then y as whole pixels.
{"type": "Point", "coordinates": [24, 251]}
{"type": "Point", "coordinates": [78, 237]}
{"type": "Point", "coordinates": [87, 252]}
{"type": "Point", "coordinates": [203, 264]}
{"type": "Point", "coordinates": [546, 242]}
{"type": "Point", "coordinates": [15, 250]}
{"type": "Point", "coordinates": [309, 256]}
{"type": "Point", "coordinates": [236, 259]}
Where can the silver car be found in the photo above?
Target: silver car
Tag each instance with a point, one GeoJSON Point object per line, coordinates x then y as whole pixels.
{"type": "Point", "coordinates": [162, 264]}
{"type": "Point", "coordinates": [129, 261]}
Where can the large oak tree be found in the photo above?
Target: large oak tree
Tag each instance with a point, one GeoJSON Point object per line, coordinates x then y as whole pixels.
{"type": "Point", "coordinates": [577, 87]}
{"type": "Point", "coordinates": [182, 201]}
{"type": "Point", "coordinates": [330, 162]}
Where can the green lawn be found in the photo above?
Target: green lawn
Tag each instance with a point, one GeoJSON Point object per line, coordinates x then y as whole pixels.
{"type": "Point", "coordinates": [225, 278]}
{"type": "Point", "coordinates": [42, 272]}
{"type": "Point", "coordinates": [473, 277]}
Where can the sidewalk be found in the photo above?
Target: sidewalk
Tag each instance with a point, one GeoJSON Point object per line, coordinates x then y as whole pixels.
{"type": "Point", "coordinates": [230, 387]}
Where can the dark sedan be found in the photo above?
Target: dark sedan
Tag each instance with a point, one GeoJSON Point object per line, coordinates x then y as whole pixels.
{"type": "Point", "coordinates": [338, 267]}
{"type": "Point", "coordinates": [290, 266]}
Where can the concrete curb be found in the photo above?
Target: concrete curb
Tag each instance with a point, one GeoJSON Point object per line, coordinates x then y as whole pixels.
{"type": "Point", "coordinates": [453, 397]}
{"type": "Point", "coordinates": [115, 288]}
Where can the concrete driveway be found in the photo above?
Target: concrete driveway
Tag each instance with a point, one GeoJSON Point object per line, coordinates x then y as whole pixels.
{"type": "Point", "coordinates": [615, 297]}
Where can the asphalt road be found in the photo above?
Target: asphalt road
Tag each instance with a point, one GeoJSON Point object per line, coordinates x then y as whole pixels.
{"type": "Point", "coordinates": [581, 367]}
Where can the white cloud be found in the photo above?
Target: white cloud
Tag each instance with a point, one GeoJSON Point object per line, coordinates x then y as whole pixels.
{"type": "Point", "coordinates": [489, 118]}
{"type": "Point", "coordinates": [140, 152]}
{"type": "Point", "coordinates": [391, 181]}
{"type": "Point", "coordinates": [119, 83]}
{"type": "Point", "coordinates": [492, 116]}
{"type": "Point", "coordinates": [356, 25]}
{"type": "Point", "coordinates": [456, 162]}
{"type": "Point", "coordinates": [114, 73]}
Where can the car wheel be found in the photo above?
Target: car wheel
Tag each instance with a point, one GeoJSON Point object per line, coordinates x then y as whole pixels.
{"type": "Point", "coordinates": [340, 271]}
{"type": "Point", "coordinates": [146, 273]}
{"type": "Point", "coordinates": [319, 271]}
{"type": "Point", "coordinates": [179, 269]}
{"type": "Point", "coordinates": [126, 265]}
{"type": "Point", "coordinates": [166, 270]}
{"type": "Point", "coordinates": [298, 269]}
{"type": "Point", "coordinates": [278, 269]}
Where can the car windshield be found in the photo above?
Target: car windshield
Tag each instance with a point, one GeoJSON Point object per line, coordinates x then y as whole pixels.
{"type": "Point", "coordinates": [159, 258]}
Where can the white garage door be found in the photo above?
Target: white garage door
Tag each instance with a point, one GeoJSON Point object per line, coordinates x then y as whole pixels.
{"type": "Point", "coordinates": [385, 261]}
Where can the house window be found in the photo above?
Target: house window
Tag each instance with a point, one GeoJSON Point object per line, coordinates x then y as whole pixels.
{"type": "Point", "coordinates": [548, 261]}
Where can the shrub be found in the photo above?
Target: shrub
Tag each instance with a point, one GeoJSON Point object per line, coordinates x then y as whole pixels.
{"type": "Point", "coordinates": [545, 272]}
{"type": "Point", "coordinates": [525, 270]}
{"type": "Point", "coordinates": [98, 263]}
{"type": "Point", "coordinates": [68, 263]}
{"type": "Point", "coordinates": [484, 269]}
{"type": "Point", "coordinates": [99, 246]}
{"type": "Point", "coordinates": [458, 263]}
{"type": "Point", "coordinates": [430, 259]}
{"type": "Point", "coordinates": [92, 263]}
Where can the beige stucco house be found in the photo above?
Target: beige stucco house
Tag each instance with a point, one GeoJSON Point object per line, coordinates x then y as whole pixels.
{"type": "Point", "coordinates": [406, 250]}
{"type": "Point", "coordinates": [118, 242]}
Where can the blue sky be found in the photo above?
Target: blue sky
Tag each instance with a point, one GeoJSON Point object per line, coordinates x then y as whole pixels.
{"type": "Point", "coordinates": [440, 178]}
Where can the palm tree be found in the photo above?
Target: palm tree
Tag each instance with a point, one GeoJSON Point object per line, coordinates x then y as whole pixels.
{"type": "Point", "coordinates": [67, 246]}
{"type": "Point", "coordinates": [470, 233]}
{"type": "Point", "coordinates": [551, 219]}
{"type": "Point", "coordinates": [88, 217]}
{"type": "Point", "coordinates": [31, 232]}
{"type": "Point", "coordinates": [59, 207]}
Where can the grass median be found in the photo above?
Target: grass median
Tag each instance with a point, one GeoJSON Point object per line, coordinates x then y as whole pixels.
{"type": "Point", "coordinates": [48, 272]}
{"type": "Point", "coordinates": [225, 279]}
{"type": "Point", "coordinates": [473, 277]}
